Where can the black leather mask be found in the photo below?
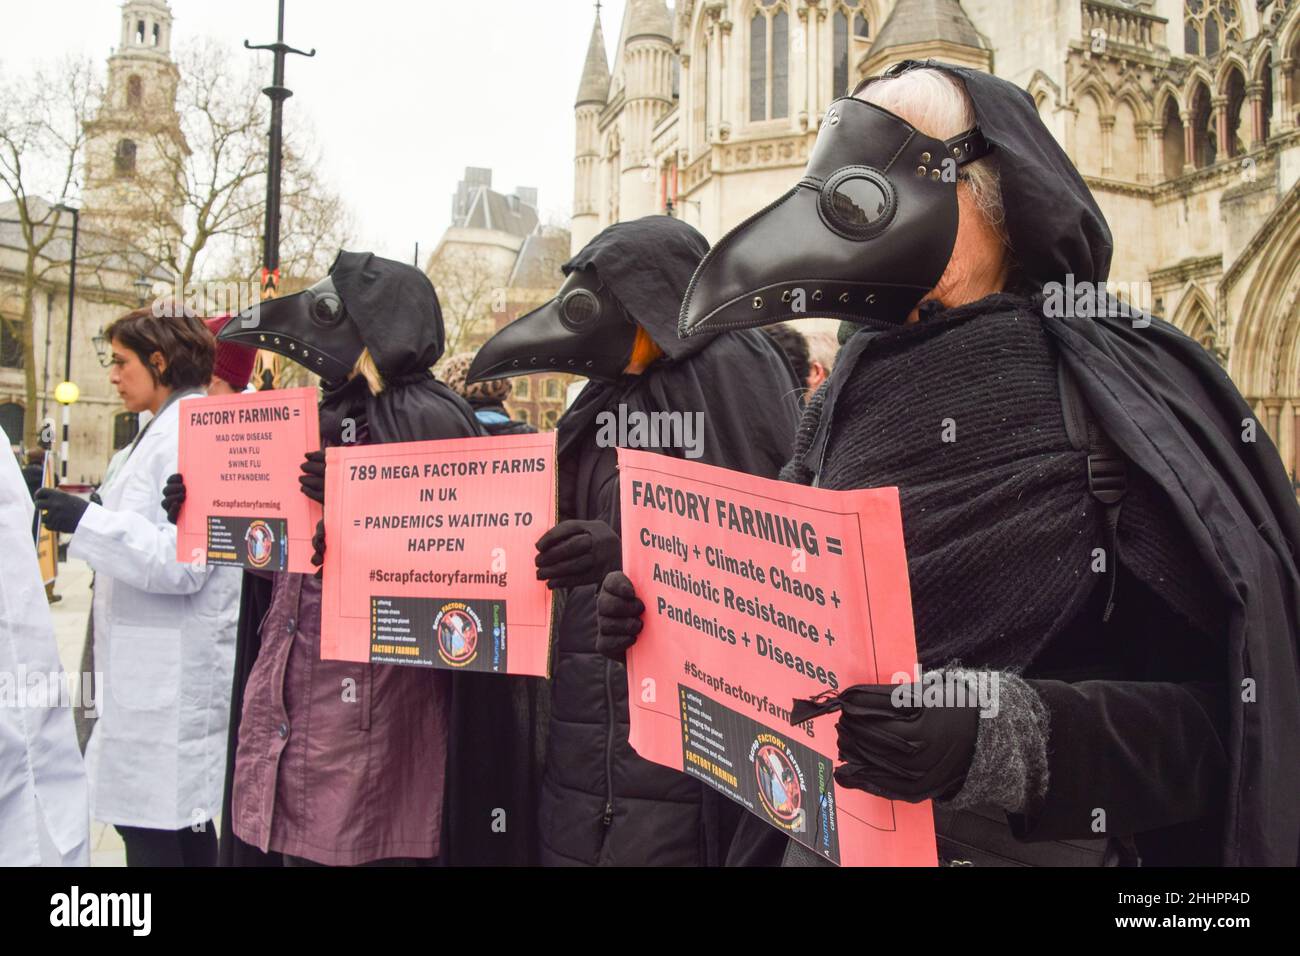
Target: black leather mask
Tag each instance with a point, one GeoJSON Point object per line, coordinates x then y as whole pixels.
{"type": "Point", "coordinates": [863, 236]}
{"type": "Point", "coordinates": [584, 330]}
{"type": "Point", "coordinates": [311, 327]}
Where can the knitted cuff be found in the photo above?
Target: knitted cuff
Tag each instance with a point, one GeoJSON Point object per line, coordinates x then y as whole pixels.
{"type": "Point", "coordinates": [1009, 768]}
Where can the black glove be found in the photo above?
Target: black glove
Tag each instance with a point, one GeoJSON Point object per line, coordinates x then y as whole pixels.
{"type": "Point", "coordinates": [574, 553]}
{"type": "Point", "coordinates": [318, 547]}
{"type": "Point", "coordinates": [312, 478]}
{"type": "Point", "coordinates": [60, 510]}
{"type": "Point", "coordinates": [173, 497]}
{"type": "Point", "coordinates": [910, 753]}
{"type": "Point", "coordinates": [618, 615]}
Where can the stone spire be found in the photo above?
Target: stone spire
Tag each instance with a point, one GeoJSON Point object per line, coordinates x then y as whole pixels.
{"type": "Point", "coordinates": [917, 29]}
{"type": "Point", "coordinates": [648, 18]}
{"type": "Point", "coordinates": [594, 87]}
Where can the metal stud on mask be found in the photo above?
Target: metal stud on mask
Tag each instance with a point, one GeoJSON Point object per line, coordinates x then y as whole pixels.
{"type": "Point", "coordinates": [863, 236]}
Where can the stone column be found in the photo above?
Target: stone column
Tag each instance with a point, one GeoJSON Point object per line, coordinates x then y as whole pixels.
{"type": "Point", "coordinates": [1189, 141]}
{"type": "Point", "coordinates": [1107, 158]}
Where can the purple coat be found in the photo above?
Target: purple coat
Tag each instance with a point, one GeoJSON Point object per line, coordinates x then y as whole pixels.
{"type": "Point", "coordinates": [338, 762]}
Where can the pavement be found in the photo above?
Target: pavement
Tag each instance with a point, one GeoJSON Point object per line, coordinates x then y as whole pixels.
{"type": "Point", "coordinates": [70, 613]}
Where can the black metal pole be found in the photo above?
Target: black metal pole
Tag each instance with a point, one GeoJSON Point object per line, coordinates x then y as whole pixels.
{"type": "Point", "coordinates": [72, 293]}
{"type": "Point", "coordinates": [67, 349]}
{"type": "Point", "coordinates": [277, 93]}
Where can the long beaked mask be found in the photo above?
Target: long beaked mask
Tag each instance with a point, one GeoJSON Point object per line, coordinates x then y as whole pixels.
{"type": "Point", "coordinates": [312, 327]}
{"type": "Point", "coordinates": [863, 236]}
{"type": "Point", "coordinates": [584, 330]}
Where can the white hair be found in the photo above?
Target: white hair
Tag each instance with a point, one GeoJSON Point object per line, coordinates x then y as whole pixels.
{"type": "Point", "coordinates": [937, 104]}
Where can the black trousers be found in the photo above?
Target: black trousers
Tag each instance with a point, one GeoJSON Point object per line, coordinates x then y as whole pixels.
{"type": "Point", "coordinates": [184, 847]}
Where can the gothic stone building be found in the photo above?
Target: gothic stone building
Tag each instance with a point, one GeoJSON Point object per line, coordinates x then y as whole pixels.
{"type": "Point", "coordinates": [1182, 115]}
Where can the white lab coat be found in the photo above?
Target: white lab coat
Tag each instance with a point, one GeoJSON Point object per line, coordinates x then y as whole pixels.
{"type": "Point", "coordinates": [165, 645]}
{"type": "Point", "coordinates": [43, 815]}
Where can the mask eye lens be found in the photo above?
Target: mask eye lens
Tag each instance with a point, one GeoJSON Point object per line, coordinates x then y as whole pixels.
{"type": "Point", "coordinates": [579, 309]}
{"type": "Point", "coordinates": [857, 203]}
{"type": "Point", "coordinates": [327, 309]}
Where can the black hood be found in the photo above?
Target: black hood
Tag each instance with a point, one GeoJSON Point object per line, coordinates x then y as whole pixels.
{"type": "Point", "coordinates": [395, 309]}
{"type": "Point", "coordinates": [1055, 225]}
{"type": "Point", "coordinates": [648, 264]}
{"type": "Point", "coordinates": [365, 302]}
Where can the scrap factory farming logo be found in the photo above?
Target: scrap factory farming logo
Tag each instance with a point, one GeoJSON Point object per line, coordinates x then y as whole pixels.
{"type": "Point", "coordinates": [457, 629]}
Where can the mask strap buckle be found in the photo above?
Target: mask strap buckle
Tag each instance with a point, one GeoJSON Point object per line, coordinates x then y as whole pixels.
{"type": "Point", "coordinates": [968, 146]}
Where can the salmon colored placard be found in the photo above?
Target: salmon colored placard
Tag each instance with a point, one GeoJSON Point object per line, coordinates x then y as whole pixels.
{"type": "Point", "coordinates": [429, 554]}
{"type": "Point", "coordinates": [758, 592]}
{"type": "Point", "coordinates": [241, 456]}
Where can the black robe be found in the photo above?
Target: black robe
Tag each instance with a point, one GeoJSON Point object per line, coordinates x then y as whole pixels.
{"type": "Point", "coordinates": [601, 803]}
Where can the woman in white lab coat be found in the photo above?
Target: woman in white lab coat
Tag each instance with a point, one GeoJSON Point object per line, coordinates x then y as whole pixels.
{"type": "Point", "coordinates": [164, 629]}
{"type": "Point", "coordinates": [43, 818]}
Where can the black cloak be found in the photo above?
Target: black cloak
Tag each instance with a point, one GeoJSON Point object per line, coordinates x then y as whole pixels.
{"type": "Point", "coordinates": [749, 397]}
{"type": "Point", "coordinates": [1180, 423]}
{"type": "Point", "coordinates": [490, 749]}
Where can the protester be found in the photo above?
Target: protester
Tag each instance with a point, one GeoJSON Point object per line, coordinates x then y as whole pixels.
{"type": "Point", "coordinates": [795, 348]}
{"type": "Point", "coordinates": [823, 346]}
{"type": "Point", "coordinates": [233, 365]}
{"type": "Point", "coordinates": [614, 321]}
{"type": "Point", "coordinates": [1093, 534]}
{"type": "Point", "coordinates": [164, 629]}
{"type": "Point", "coordinates": [486, 398]}
{"type": "Point", "coordinates": [43, 806]}
{"type": "Point", "coordinates": [324, 776]}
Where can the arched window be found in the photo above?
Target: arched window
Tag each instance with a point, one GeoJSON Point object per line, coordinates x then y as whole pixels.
{"type": "Point", "coordinates": [1208, 25]}
{"type": "Point", "coordinates": [124, 159]}
{"type": "Point", "coordinates": [841, 52]}
{"type": "Point", "coordinates": [1266, 95]}
{"type": "Point", "coordinates": [549, 418]}
{"type": "Point", "coordinates": [1173, 143]}
{"type": "Point", "coordinates": [134, 92]}
{"type": "Point", "coordinates": [11, 344]}
{"type": "Point", "coordinates": [1235, 91]}
{"type": "Point", "coordinates": [125, 427]}
{"type": "Point", "coordinates": [523, 415]}
{"type": "Point", "coordinates": [11, 420]}
{"type": "Point", "coordinates": [1205, 146]}
{"type": "Point", "coordinates": [769, 61]}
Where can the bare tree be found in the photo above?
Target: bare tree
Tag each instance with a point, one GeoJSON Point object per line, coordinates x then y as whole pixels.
{"type": "Point", "coordinates": [42, 135]}
{"type": "Point", "coordinates": [471, 290]}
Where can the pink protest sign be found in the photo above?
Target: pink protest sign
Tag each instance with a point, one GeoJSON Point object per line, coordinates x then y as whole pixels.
{"type": "Point", "coordinates": [758, 592]}
{"type": "Point", "coordinates": [240, 456]}
{"type": "Point", "coordinates": [429, 550]}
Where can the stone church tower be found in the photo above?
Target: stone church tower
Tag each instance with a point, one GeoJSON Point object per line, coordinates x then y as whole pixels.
{"type": "Point", "coordinates": [615, 174]}
{"type": "Point", "coordinates": [134, 144]}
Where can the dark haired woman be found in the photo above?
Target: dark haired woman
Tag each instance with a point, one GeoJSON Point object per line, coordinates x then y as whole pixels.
{"type": "Point", "coordinates": [164, 629]}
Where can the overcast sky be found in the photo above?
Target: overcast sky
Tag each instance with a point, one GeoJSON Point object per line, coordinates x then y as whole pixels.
{"type": "Point", "coordinates": [402, 94]}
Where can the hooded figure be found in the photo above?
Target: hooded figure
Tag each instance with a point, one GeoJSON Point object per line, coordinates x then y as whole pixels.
{"type": "Point", "coordinates": [614, 321]}
{"type": "Point", "coordinates": [343, 763]}
{"type": "Point", "coordinates": [1092, 547]}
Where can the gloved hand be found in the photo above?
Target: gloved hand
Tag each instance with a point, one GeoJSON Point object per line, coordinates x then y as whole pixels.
{"type": "Point", "coordinates": [618, 615]}
{"type": "Point", "coordinates": [910, 753]}
{"type": "Point", "coordinates": [318, 547]}
{"type": "Point", "coordinates": [173, 497]}
{"type": "Point", "coordinates": [60, 510]}
{"type": "Point", "coordinates": [574, 553]}
{"type": "Point", "coordinates": [312, 478]}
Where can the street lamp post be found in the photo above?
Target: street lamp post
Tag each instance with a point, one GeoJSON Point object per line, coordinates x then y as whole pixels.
{"type": "Point", "coordinates": [277, 93]}
{"type": "Point", "coordinates": [67, 388]}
